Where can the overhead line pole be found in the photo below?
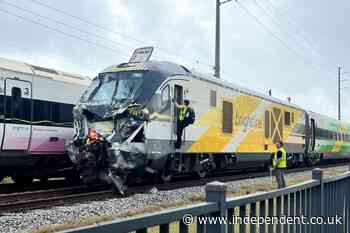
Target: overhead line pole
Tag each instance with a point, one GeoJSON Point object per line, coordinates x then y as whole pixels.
{"type": "Point", "coordinates": [217, 40]}
{"type": "Point", "coordinates": [339, 80]}
{"type": "Point", "coordinates": [217, 37]}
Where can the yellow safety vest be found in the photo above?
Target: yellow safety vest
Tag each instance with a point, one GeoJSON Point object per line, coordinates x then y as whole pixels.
{"type": "Point", "coordinates": [283, 162]}
{"type": "Point", "coordinates": [183, 111]}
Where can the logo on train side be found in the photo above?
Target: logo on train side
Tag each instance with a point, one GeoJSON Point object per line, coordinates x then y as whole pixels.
{"type": "Point", "coordinates": [19, 128]}
{"type": "Point", "coordinates": [247, 121]}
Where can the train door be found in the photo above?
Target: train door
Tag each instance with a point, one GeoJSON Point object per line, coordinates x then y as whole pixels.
{"type": "Point", "coordinates": [2, 110]}
{"type": "Point", "coordinates": [178, 97]}
{"type": "Point", "coordinates": [18, 114]}
{"type": "Point", "coordinates": [312, 135]}
{"type": "Point", "coordinates": [276, 125]}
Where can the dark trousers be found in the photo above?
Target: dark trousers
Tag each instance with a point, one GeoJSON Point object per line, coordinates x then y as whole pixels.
{"type": "Point", "coordinates": [279, 173]}
{"type": "Point", "coordinates": [179, 130]}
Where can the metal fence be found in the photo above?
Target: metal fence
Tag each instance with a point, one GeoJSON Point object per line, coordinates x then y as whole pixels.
{"type": "Point", "coordinates": [314, 203]}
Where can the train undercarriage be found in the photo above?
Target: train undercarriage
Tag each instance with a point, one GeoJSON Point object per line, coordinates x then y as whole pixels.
{"type": "Point", "coordinates": [124, 165]}
{"type": "Point", "coordinates": [24, 168]}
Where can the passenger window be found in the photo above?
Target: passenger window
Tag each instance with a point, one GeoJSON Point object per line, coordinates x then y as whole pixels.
{"type": "Point", "coordinates": [267, 124]}
{"type": "Point", "coordinates": [165, 95]}
{"type": "Point", "coordinates": [227, 121]}
{"type": "Point", "coordinates": [213, 98]}
{"type": "Point", "coordinates": [287, 118]}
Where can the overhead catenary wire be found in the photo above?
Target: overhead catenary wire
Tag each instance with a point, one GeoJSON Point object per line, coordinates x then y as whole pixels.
{"type": "Point", "coordinates": [63, 32]}
{"type": "Point", "coordinates": [278, 23]}
{"type": "Point", "coordinates": [99, 36]}
{"type": "Point", "coordinates": [297, 28]}
{"type": "Point", "coordinates": [121, 45]}
{"type": "Point", "coordinates": [64, 24]}
{"type": "Point", "coordinates": [110, 30]}
{"type": "Point", "coordinates": [292, 21]}
{"type": "Point", "coordinates": [40, 3]}
{"type": "Point", "coordinates": [274, 35]}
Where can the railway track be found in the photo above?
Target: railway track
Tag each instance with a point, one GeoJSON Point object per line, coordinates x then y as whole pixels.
{"type": "Point", "coordinates": [47, 198]}
{"type": "Point", "coordinates": [15, 202]}
{"type": "Point", "coordinates": [36, 185]}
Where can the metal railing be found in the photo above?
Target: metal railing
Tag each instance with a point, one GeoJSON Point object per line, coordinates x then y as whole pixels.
{"type": "Point", "coordinates": [311, 202]}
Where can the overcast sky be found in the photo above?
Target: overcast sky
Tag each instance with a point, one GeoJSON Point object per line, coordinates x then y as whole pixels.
{"type": "Point", "coordinates": [290, 46]}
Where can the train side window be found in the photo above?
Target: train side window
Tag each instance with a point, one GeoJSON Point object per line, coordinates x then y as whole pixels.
{"type": "Point", "coordinates": [55, 112]}
{"type": "Point", "coordinates": [42, 111]}
{"type": "Point", "coordinates": [66, 116]}
{"type": "Point", "coordinates": [287, 118]}
{"type": "Point", "coordinates": [213, 98]}
{"type": "Point", "coordinates": [165, 96]}
{"type": "Point", "coordinates": [16, 103]}
{"type": "Point", "coordinates": [227, 117]}
{"type": "Point", "coordinates": [267, 124]}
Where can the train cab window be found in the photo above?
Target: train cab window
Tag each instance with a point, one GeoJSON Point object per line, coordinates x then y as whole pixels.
{"type": "Point", "coordinates": [287, 118]}
{"type": "Point", "coordinates": [212, 98]}
{"type": "Point", "coordinates": [227, 117]}
{"type": "Point", "coordinates": [165, 96]}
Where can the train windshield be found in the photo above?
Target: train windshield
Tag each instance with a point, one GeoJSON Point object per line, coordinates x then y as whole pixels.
{"type": "Point", "coordinates": [117, 87]}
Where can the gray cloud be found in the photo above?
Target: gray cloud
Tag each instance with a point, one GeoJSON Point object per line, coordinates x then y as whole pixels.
{"type": "Point", "coordinates": [250, 56]}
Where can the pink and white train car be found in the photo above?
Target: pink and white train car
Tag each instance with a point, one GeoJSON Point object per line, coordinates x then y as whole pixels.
{"type": "Point", "coordinates": [36, 119]}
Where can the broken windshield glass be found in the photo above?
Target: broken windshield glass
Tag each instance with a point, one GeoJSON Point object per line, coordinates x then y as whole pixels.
{"type": "Point", "coordinates": [117, 87]}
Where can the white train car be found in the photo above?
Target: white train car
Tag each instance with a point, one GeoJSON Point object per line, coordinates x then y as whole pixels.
{"type": "Point", "coordinates": [35, 119]}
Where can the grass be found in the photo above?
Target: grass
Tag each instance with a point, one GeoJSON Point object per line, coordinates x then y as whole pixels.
{"type": "Point", "coordinates": [258, 186]}
{"type": "Point", "coordinates": [106, 218]}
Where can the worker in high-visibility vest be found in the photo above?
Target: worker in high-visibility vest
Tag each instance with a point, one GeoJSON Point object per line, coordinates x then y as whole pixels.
{"type": "Point", "coordinates": [185, 118]}
{"type": "Point", "coordinates": [279, 163]}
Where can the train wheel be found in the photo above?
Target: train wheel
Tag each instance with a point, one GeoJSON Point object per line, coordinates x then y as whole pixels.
{"type": "Point", "coordinates": [44, 179]}
{"type": "Point", "coordinates": [201, 174]}
{"type": "Point", "coordinates": [312, 160]}
{"type": "Point", "coordinates": [166, 176]}
{"type": "Point", "coordinates": [23, 180]}
{"type": "Point", "coordinates": [73, 178]}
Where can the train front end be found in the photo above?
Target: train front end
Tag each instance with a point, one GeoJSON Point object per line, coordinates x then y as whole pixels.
{"type": "Point", "coordinates": [110, 140]}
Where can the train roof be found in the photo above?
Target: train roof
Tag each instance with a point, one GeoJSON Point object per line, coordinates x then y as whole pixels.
{"type": "Point", "coordinates": [328, 118]}
{"type": "Point", "coordinates": [25, 68]}
{"type": "Point", "coordinates": [164, 67]}
{"type": "Point", "coordinates": [171, 69]}
{"type": "Point", "coordinates": [211, 78]}
{"type": "Point", "coordinates": [227, 84]}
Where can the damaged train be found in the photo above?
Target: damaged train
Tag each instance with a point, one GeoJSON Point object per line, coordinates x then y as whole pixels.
{"type": "Point", "coordinates": [125, 126]}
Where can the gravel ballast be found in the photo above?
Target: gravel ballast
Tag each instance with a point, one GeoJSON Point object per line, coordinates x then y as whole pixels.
{"type": "Point", "coordinates": [27, 221]}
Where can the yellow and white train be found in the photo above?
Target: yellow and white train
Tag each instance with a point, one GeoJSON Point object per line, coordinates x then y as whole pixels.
{"type": "Point", "coordinates": [125, 126]}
